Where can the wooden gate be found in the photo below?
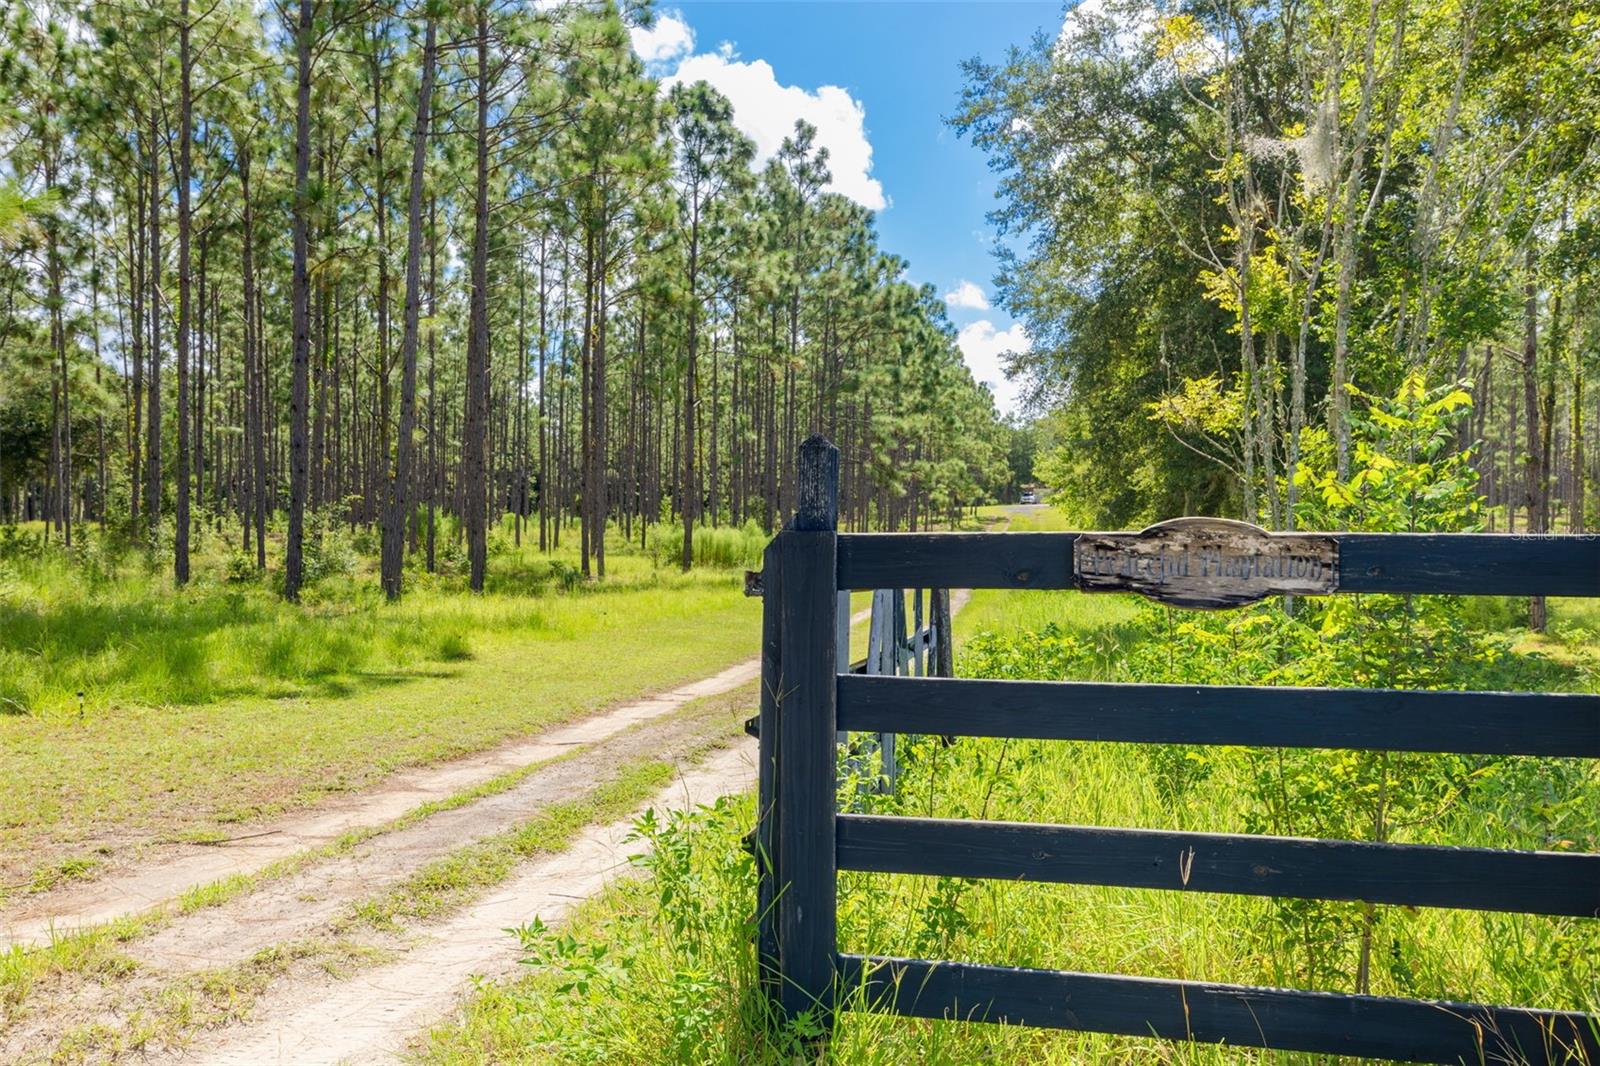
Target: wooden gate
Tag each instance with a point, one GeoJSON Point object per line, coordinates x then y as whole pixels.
{"type": "Point", "coordinates": [805, 841]}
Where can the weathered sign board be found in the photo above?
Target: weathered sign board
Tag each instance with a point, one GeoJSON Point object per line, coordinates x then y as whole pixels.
{"type": "Point", "coordinates": [1207, 563]}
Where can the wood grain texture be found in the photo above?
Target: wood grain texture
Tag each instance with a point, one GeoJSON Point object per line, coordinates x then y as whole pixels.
{"type": "Point", "coordinates": [767, 808]}
{"type": "Point", "coordinates": [955, 560]}
{"type": "Point", "coordinates": [1498, 723]}
{"type": "Point", "coordinates": [805, 769]}
{"type": "Point", "coordinates": [1528, 882]}
{"type": "Point", "coordinates": [817, 486]}
{"type": "Point", "coordinates": [1471, 564]}
{"type": "Point", "coordinates": [1483, 564]}
{"type": "Point", "coordinates": [1323, 1022]}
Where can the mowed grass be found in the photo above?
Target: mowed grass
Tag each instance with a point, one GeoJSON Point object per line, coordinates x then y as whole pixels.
{"type": "Point", "coordinates": [218, 704]}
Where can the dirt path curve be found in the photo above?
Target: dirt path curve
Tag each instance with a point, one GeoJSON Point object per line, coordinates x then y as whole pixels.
{"type": "Point", "coordinates": [287, 908]}
{"type": "Point", "coordinates": [371, 1016]}
{"type": "Point", "coordinates": [196, 865]}
{"type": "Point", "coordinates": [320, 1018]}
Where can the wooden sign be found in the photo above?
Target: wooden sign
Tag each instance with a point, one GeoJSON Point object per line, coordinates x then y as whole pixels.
{"type": "Point", "coordinates": [1207, 563]}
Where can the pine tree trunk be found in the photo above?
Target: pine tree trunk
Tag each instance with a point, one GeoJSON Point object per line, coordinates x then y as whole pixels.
{"type": "Point", "coordinates": [255, 432]}
{"type": "Point", "coordinates": [400, 484]}
{"type": "Point", "coordinates": [152, 499]}
{"type": "Point", "coordinates": [691, 497]}
{"type": "Point", "coordinates": [62, 440]}
{"type": "Point", "coordinates": [180, 517]}
{"type": "Point", "coordinates": [586, 406]}
{"type": "Point", "coordinates": [601, 507]}
{"type": "Point", "coordinates": [1579, 523]}
{"type": "Point", "coordinates": [475, 423]}
{"type": "Point", "coordinates": [1536, 489]}
{"type": "Point", "coordinates": [136, 266]}
{"type": "Point", "coordinates": [435, 471]}
{"type": "Point", "coordinates": [201, 320]}
{"type": "Point", "coordinates": [544, 465]}
{"type": "Point", "coordinates": [300, 314]}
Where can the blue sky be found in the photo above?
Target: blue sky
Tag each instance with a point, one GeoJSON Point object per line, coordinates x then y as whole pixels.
{"type": "Point", "coordinates": [877, 79]}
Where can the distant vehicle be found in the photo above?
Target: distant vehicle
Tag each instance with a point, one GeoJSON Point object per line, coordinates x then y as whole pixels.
{"type": "Point", "coordinates": [1030, 496]}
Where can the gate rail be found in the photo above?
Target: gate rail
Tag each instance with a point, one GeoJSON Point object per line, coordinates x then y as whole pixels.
{"type": "Point", "coordinates": [804, 841]}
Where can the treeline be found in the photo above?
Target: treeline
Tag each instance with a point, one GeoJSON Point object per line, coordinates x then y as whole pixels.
{"type": "Point", "coordinates": [1224, 217]}
{"type": "Point", "coordinates": [386, 261]}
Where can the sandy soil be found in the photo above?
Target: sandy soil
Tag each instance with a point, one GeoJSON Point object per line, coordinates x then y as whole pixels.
{"type": "Point", "coordinates": [371, 1016]}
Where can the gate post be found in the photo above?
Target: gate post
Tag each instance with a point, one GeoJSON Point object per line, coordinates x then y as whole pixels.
{"type": "Point", "coordinates": [806, 555]}
{"type": "Point", "coordinates": [766, 836]}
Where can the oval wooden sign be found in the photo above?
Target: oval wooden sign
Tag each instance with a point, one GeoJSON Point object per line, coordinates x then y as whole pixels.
{"type": "Point", "coordinates": [1207, 563]}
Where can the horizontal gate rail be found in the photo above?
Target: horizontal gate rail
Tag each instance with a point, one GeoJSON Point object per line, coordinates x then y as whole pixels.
{"type": "Point", "coordinates": [1483, 723]}
{"type": "Point", "coordinates": [1326, 1022]}
{"type": "Point", "coordinates": [1529, 882]}
{"type": "Point", "coordinates": [1476, 564]}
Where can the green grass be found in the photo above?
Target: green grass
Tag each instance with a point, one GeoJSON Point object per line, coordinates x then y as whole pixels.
{"type": "Point", "coordinates": [103, 628]}
{"type": "Point", "coordinates": [724, 546]}
{"type": "Point", "coordinates": [220, 704]}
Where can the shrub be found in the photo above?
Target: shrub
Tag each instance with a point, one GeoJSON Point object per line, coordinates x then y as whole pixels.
{"type": "Point", "coordinates": [727, 547]}
{"type": "Point", "coordinates": [329, 548]}
{"type": "Point", "coordinates": [240, 568]}
{"type": "Point", "coordinates": [1407, 477]}
{"type": "Point", "coordinates": [19, 543]}
{"type": "Point", "coordinates": [669, 980]}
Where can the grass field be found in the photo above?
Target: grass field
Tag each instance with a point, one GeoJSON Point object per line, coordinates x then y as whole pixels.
{"type": "Point", "coordinates": [218, 704]}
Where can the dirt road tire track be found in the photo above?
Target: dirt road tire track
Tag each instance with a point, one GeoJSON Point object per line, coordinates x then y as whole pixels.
{"type": "Point", "coordinates": [371, 1016]}
{"type": "Point", "coordinates": [32, 920]}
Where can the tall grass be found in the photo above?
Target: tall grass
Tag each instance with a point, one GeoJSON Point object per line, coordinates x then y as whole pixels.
{"type": "Point", "coordinates": [70, 644]}
{"type": "Point", "coordinates": [720, 546]}
{"type": "Point", "coordinates": [104, 626]}
{"type": "Point", "coordinates": [219, 703]}
{"type": "Point", "coordinates": [663, 970]}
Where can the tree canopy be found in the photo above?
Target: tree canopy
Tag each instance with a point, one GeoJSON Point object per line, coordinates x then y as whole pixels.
{"type": "Point", "coordinates": [1218, 217]}
{"type": "Point", "coordinates": [421, 266]}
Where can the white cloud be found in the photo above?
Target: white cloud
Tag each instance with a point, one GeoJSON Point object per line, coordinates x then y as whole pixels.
{"type": "Point", "coordinates": [984, 348]}
{"type": "Point", "coordinates": [668, 39]}
{"type": "Point", "coordinates": [1124, 24]}
{"type": "Point", "coordinates": [1120, 28]}
{"type": "Point", "coordinates": [967, 295]}
{"type": "Point", "coordinates": [766, 110]}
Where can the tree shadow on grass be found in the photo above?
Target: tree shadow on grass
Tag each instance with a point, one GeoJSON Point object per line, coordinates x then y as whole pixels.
{"type": "Point", "coordinates": [202, 647]}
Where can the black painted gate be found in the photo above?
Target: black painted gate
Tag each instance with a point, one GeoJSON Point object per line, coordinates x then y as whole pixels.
{"type": "Point", "coordinates": [804, 841]}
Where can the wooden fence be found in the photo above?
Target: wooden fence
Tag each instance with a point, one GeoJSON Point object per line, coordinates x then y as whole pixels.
{"type": "Point", "coordinates": [805, 841]}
